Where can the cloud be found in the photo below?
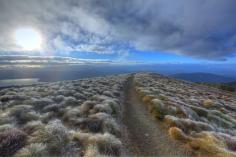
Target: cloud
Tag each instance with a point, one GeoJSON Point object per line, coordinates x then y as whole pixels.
{"type": "Point", "coordinates": [23, 59]}
{"type": "Point", "coordinates": [94, 48]}
{"type": "Point", "coordinates": [197, 28]}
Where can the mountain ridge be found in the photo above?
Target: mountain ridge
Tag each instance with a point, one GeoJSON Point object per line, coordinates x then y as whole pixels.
{"type": "Point", "coordinates": [201, 77]}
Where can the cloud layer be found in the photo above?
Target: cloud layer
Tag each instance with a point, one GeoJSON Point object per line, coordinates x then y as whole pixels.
{"type": "Point", "coordinates": [197, 28]}
{"type": "Point", "coordinates": [29, 60]}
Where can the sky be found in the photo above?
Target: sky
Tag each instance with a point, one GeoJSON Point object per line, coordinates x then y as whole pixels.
{"type": "Point", "coordinates": [143, 31]}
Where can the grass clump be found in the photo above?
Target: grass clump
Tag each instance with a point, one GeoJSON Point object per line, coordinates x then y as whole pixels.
{"type": "Point", "coordinates": [86, 106]}
{"type": "Point", "coordinates": [91, 125]}
{"type": "Point", "coordinates": [11, 141]}
{"type": "Point", "coordinates": [103, 108]}
{"type": "Point", "coordinates": [5, 127]}
{"type": "Point", "coordinates": [92, 151]}
{"type": "Point", "coordinates": [110, 125]}
{"type": "Point", "coordinates": [54, 135]}
{"type": "Point", "coordinates": [159, 109]}
{"type": "Point", "coordinates": [205, 143]}
{"type": "Point", "coordinates": [107, 123]}
{"type": "Point", "coordinates": [32, 126]}
{"type": "Point", "coordinates": [219, 121]}
{"type": "Point", "coordinates": [147, 99]}
{"type": "Point", "coordinates": [71, 115]}
{"type": "Point", "coordinates": [52, 108]}
{"type": "Point", "coordinates": [187, 124]}
{"type": "Point", "coordinates": [4, 118]}
{"type": "Point", "coordinates": [177, 134]}
{"type": "Point", "coordinates": [23, 117]}
{"type": "Point", "coordinates": [200, 111]}
{"type": "Point", "coordinates": [32, 150]}
{"type": "Point", "coordinates": [39, 104]}
{"type": "Point", "coordinates": [105, 144]}
{"type": "Point", "coordinates": [208, 103]}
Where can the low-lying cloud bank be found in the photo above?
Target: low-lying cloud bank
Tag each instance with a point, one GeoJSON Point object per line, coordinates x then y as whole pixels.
{"type": "Point", "coordinates": [198, 28]}
{"type": "Point", "coordinates": [15, 59]}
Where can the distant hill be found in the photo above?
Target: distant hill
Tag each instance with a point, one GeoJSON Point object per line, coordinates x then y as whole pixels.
{"type": "Point", "coordinates": [203, 77]}
{"type": "Point", "coordinates": [232, 83]}
{"type": "Point", "coordinates": [232, 86]}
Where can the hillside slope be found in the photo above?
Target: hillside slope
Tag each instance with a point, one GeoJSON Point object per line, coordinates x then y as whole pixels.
{"type": "Point", "coordinates": [232, 83]}
{"type": "Point", "coordinates": [203, 77]}
{"type": "Point", "coordinates": [147, 137]}
{"type": "Point", "coordinates": [62, 119]}
{"type": "Point", "coordinates": [202, 118]}
{"type": "Point", "coordinates": [140, 114]}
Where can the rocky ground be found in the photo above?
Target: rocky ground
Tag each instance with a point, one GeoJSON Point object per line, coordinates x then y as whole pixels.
{"type": "Point", "coordinates": [139, 114]}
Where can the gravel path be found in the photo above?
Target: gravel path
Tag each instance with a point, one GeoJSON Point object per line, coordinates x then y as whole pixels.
{"type": "Point", "coordinates": [146, 136]}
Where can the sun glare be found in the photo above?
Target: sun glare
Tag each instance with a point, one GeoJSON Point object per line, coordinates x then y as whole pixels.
{"type": "Point", "coordinates": [28, 39]}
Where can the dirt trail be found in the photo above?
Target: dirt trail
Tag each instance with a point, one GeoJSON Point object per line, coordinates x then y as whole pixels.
{"type": "Point", "coordinates": [146, 137]}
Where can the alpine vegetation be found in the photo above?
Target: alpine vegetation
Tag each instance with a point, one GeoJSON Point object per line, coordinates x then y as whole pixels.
{"type": "Point", "coordinates": [200, 117]}
{"type": "Point", "coordinates": [99, 117]}
{"type": "Point", "coordinates": [62, 119]}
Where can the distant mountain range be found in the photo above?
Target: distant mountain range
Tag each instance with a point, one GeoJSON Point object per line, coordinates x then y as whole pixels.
{"type": "Point", "coordinates": [204, 78]}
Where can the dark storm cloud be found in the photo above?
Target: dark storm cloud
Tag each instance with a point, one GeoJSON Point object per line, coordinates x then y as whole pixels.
{"type": "Point", "coordinates": [197, 28]}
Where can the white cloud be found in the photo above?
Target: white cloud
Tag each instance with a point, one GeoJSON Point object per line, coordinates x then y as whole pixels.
{"type": "Point", "coordinates": [198, 28]}
{"type": "Point", "coordinates": [23, 59]}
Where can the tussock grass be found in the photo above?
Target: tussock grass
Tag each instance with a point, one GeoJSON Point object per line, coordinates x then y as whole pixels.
{"type": "Point", "coordinates": [207, 103]}
{"type": "Point", "coordinates": [47, 116]}
{"type": "Point", "coordinates": [52, 108]}
{"type": "Point", "coordinates": [39, 104]}
{"type": "Point", "coordinates": [24, 116]}
{"type": "Point", "coordinates": [5, 127]}
{"type": "Point", "coordinates": [200, 119]}
{"type": "Point", "coordinates": [187, 124]}
{"type": "Point", "coordinates": [33, 150]}
{"type": "Point", "coordinates": [105, 144]}
{"type": "Point", "coordinates": [55, 135]}
{"type": "Point", "coordinates": [11, 141]}
{"type": "Point", "coordinates": [32, 126]}
{"type": "Point", "coordinates": [4, 117]}
{"type": "Point", "coordinates": [205, 143]}
{"type": "Point", "coordinates": [71, 114]}
{"type": "Point", "coordinates": [58, 98]}
{"type": "Point", "coordinates": [92, 151]}
{"type": "Point", "coordinates": [86, 106]}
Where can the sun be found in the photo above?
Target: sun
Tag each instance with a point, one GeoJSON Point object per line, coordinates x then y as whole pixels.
{"type": "Point", "coordinates": [28, 39]}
